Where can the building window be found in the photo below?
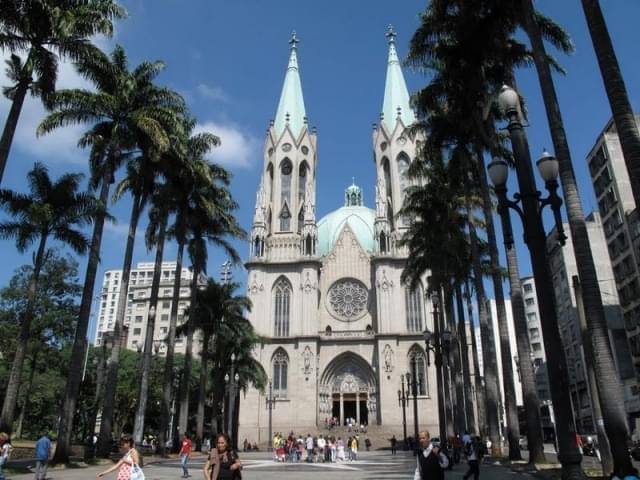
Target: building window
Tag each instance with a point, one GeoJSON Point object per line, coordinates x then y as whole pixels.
{"type": "Point", "coordinates": [302, 182]}
{"type": "Point", "coordinates": [285, 181]}
{"type": "Point", "coordinates": [138, 319]}
{"type": "Point", "coordinates": [529, 301]}
{"type": "Point", "coordinates": [528, 288]}
{"type": "Point", "coordinates": [280, 366]}
{"type": "Point", "coordinates": [136, 331]}
{"type": "Point", "coordinates": [413, 305]}
{"type": "Point", "coordinates": [164, 317]}
{"type": "Point", "coordinates": [166, 305]}
{"type": "Point", "coordinates": [282, 307]}
{"type": "Point", "coordinates": [418, 367]}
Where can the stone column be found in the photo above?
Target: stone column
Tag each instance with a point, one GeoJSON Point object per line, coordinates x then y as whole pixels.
{"type": "Point", "coordinates": [358, 409]}
{"type": "Point", "coordinates": [341, 409]}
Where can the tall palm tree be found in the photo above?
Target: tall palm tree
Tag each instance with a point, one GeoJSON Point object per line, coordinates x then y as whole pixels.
{"type": "Point", "coordinates": [608, 381]}
{"type": "Point", "coordinates": [623, 115]}
{"type": "Point", "coordinates": [51, 210]}
{"type": "Point", "coordinates": [126, 111]}
{"type": "Point", "coordinates": [46, 31]}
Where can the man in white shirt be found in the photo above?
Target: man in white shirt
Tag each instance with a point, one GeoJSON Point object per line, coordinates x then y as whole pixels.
{"type": "Point", "coordinates": [431, 461]}
{"type": "Point", "coordinates": [321, 445]}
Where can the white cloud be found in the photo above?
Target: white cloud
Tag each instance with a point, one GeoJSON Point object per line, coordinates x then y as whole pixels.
{"type": "Point", "coordinates": [212, 92]}
{"type": "Point", "coordinates": [237, 148]}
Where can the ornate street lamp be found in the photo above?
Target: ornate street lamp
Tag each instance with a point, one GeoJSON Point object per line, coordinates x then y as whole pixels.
{"type": "Point", "coordinates": [403, 400]}
{"type": "Point", "coordinates": [529, 204]}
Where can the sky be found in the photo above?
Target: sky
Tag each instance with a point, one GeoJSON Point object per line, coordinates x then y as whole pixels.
{"type": "Point", "coordinates": [228, 60]}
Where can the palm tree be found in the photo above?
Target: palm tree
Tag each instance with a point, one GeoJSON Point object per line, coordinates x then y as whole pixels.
{"type": "Point", "coordinates": [218, 311]}
{"type": "Point", "coordinates": [195, 171]}
{"type": "Point", "coordinates": [623, 115]}
{"type": "Point", "coordinates": [46, 31]}
{"type": "Point", "coordinates": [608, 381]}
{"type": "Point", "coordinates": [50, 210]}
{"type": "Point", "coordinates": [126, 111]}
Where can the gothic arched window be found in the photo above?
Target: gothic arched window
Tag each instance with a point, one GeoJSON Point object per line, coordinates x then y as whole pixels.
{"type": "Point", "coordinates": [282, 308]}
{"type": "Point", "coordinates": [270, 182]}
{"type": "Point", "coordinates": [302, 181]}
{"type": "Point", "coordinates": [285, 181]}
{"type": "Point", "coordinates": [403, 177]}
{"type": "Point", "coordinates": [418, 367]}
{"type": "Point", "coordinates": [280, 363]}
{"type": "Point", "coordinates": [285, 219]}
{"type": "Point", "coordinates": [389, 195]}
{"type": "Point", "coordinates": [413, 306]}
{"type": "Point", "coordinates": [300, 219]}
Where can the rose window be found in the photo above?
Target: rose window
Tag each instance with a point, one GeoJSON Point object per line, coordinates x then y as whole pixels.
{"type": "Point", "coordinates": [348, 299]}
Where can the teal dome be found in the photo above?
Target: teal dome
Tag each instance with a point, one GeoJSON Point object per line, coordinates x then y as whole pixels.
{"type": "Point", "coordinates": [361, 221]}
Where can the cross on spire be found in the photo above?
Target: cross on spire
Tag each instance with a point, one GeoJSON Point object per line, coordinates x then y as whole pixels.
{"type": "Point", "coordinates": [294, 40]}
{"type": "Point", "coordinates": [391, 35]}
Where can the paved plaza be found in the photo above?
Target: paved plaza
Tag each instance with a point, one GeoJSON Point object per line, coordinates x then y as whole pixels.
{"type": "Point", "coordinates": [379, 465]}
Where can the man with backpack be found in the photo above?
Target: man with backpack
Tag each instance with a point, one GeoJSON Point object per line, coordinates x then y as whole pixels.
{"type": "Point", "coordinates": [474, 451]}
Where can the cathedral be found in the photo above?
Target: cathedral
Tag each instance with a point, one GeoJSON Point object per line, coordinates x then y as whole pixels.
{"type": "Point", "coordinates": [339, 327]}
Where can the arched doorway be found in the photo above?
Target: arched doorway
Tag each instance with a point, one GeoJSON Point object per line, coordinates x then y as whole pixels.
{"type": "Point", "coordinates": [348, 390]}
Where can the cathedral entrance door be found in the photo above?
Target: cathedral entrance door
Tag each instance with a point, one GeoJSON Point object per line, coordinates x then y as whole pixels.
{"type": "Point", "coordinates": [350, 408]}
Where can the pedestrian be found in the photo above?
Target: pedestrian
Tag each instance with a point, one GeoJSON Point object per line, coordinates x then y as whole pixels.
{"type": "Point", "coordinates": [474, 452]}
{"type": "Point", "coordinates": [431, 461]}
{"type": "Point", "coordinates": [340, 449]}
{"type": "Point", "coordinates": [43, 452]}
{"type": "Point", "coordinates": [185, 454]}
{"type": "Point", "coordinates": [354, 448]}
{"type": "Point", "coordinates": [129, 465]}
{"type": "Point", "coordinates": [223, 462]}
{"type": "Point", "coordinates": [393, 444]}
{"type": "Point", "coordinates": [309, 445]}
{"type": "Point", "coordinates": [5, 452]}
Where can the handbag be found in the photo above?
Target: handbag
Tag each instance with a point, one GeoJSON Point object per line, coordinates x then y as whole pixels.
{"type": "Point", "coordinates": [136, 472]}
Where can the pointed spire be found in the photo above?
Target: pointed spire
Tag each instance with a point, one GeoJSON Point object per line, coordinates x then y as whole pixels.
{"type": "Point", "coordinates": [291, 106]}
{"type": "Point", "coordinates": [396, 96]}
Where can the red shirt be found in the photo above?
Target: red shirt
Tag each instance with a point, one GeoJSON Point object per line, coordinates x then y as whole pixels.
{"type": "Point", "coordinates": [187, 445]}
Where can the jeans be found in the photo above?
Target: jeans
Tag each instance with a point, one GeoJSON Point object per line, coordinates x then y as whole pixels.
{"type": "Point", "coordinates": [41, 469]}
{"type": "Point", "coordinates": [474, 469]}
{"type": "Point", "coordinates": [184, 459]}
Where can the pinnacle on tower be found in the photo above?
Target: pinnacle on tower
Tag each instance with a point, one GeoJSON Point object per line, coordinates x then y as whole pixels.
{"type": "Point", "coordinates": [291, 110]}
{"type": "Point", "coordinates": [395, 105]}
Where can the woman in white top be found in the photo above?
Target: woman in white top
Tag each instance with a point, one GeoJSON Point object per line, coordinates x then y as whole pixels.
{"type": "Point", "coordinates": [5, 451]}
{"type": "Point", "coordinates": [126, 463]}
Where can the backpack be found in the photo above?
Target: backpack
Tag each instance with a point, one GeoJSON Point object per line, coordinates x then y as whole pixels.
{"type": "Point", "coordinates": [467, 449]}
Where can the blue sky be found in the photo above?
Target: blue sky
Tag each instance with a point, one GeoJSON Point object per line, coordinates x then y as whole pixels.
{"type": "Point", "coordinates": [228, 59]}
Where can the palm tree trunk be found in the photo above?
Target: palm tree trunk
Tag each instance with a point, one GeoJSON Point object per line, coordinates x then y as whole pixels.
{"type": "Point", "coordinates": [469, 418]}
{"type": "Point", "coordinates": [12, 122]}
{"type": "Point", "coordinates": [457, 373]}
{"type": "Point", "coordinates": [74, 378]}
{"type": "Point", "coordinates": [481, 394]}
{"type": "Point", "coordinates": [513, 426]}
{"type": "Point", "coordinates": [109, 399]}
{"type": "Point", "coordinates": [623, 115]}
{"type": "Point", "coordinates": [13, 386]}
{"type": "Point", "coordinates": [147, 358]}
{"type": "Point", "coordinates": [488, 352]}
{"type": "Point", "coordinates": [202, 392]}
{"type": "Point", "coordinates": [167, 379]}
{"type": "Point", "coordinates": [185, 382]}
{"type": "Point", "coordinates": [609, 386]}
{"type": "Point", "coordinates": [440, 386]}
{"type": "Point", "coordinates": [445, 370]}
{"type": "Point", "coordinates": [27, 394]}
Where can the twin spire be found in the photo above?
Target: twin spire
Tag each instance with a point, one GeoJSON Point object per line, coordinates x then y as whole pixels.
{"type": "Point", "coordinates": [395, 105]}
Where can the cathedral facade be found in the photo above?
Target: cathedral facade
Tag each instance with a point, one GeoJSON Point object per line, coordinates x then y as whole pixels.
{"type": "Point", "coordinates": [339, 327]}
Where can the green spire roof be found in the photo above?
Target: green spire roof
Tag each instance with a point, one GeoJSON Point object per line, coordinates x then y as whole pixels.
{"type": "Point", "coordinates": [396, 95]}
{"type": "Point", "coordinates": [291, 105]}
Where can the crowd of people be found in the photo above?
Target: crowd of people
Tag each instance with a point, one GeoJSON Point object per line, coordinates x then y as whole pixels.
{"type": "Point", "coordinates": [316, 449]}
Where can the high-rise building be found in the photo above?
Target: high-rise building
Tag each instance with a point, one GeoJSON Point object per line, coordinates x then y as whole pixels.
{"type": "Point", "coordinates": [562, 262]}
{"type": "Point", "coordinates": [617, 209]}
{"type": "Point", "coordinates": [339, 326]}
{"type": "Point", "coordinates": [137, 308]}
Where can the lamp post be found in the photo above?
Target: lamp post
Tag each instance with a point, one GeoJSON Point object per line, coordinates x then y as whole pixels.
{"type": "Point", "coordinates": [436, 342]}
{"type": "Point", "coordinates": [412, 379]}
{"type": "Point", "coordinates": [529, 204]}
{"type": "Point", "coordinates": [231, 380]}
{"type": "Point", "coordinates": [402, 401]}
{"type": "Point", "coordinates": [271, 403]}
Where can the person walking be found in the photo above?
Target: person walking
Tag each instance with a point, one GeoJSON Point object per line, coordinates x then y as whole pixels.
{"type": "Point", "coordinates": [393, 444]}
{"type": "Point", "coordinates": [354, 448]}
{"type": "Point", "coordinates": [5, 452]}
{"type": "Point", "coordinates": [474, 451]}
{"type": "Point", "coordinates": [431, 461]}
{"type": "Point", "coordinates": [43, 452]}
{"type": "Point", "coordinates": [223, 463]}
{"type": "Point", "coordinates": [185, 454]}
{"type": "Point", "coordinates": [127, 464]}
{"type": "Point", "coordinates": [309, 445]}
{"type": "Point", "coordinates": [340, 449]}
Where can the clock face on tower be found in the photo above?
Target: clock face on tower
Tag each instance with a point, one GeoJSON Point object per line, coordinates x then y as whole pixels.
{"type": "Point", "coordinates": [347, 299]}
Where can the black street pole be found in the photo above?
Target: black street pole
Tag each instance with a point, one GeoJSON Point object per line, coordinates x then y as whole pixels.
{"type": "Point", "coordinates": [442, 420]}
{"type": "Point", "coordinates": [535, 238]}
{"type": "Point", "coordinates": [402, 400]}
{"type": "Point", "coordinates": [270, 404]}
{"type": "Point", "coordinates": [414, 389]}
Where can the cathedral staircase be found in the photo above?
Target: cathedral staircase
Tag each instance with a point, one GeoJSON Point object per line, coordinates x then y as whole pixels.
{"type": "Point", "coordinates": [379, 435]}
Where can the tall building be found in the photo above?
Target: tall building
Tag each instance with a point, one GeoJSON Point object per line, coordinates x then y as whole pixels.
{"type": "Point", "coordinates": [562, 262]}
{"type": "Point", "coordinates": [538, 355]}
{"type": "Point", "coordinates": [137, 309]}
{"type": "Point", "coordinates": [339, 327]}
{"type": "Point", "coordinates": [617, 210]}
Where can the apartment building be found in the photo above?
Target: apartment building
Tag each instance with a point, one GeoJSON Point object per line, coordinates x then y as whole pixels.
{"type": "Point", "coordinates": [563, 269]}
{"type": "Point", "coordinates": [137, 309]}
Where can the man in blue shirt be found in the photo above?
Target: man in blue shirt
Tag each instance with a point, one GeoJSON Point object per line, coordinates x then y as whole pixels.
{"type": "Point", "coordinates": [43, 451]}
